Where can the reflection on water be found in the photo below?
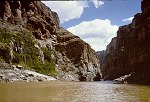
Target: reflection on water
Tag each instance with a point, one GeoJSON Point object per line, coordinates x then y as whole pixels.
{"type": "Point", "coordinates": [56, 91]}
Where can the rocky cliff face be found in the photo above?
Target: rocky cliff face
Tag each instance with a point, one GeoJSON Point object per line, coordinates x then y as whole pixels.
{"type": "Point", "coordinates": [129, 52]}
{"type": "Point", "coordinates": [78, 55]}
{"type": "Point", "coordinates": [101, 55]}
{"type": "Point", "coordinates": [73, 58]}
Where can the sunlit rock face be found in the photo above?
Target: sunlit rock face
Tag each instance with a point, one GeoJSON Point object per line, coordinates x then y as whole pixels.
{"type": "Point", "coordinates": [74, 58]}
{"type": "Point", "coordinates": [129, 52]}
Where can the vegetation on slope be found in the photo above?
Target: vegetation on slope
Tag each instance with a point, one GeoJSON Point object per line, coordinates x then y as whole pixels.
{"type": "Point", "coordinates": [27, 55]}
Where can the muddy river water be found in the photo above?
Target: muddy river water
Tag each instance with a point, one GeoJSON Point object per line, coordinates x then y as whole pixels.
{"type": "Point", "coordinates": [58, 91]}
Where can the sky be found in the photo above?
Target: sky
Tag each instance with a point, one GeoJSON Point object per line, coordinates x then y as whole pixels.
{"type": "Point", "coordinates": [95, 21]}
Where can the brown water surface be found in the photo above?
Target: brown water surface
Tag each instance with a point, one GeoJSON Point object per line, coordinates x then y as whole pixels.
{"type": "Point", "coordinates": [57, 91]}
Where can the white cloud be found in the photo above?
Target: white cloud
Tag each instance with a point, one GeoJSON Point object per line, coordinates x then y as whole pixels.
{"type": "Point", "coordinates": [128, 19]}
{"type": "Point", "coordinates": [97, 33]}
{"type": "Point", "coordinates": [67, 10]}
{"type": "Point", "coordinates": [97, 3]}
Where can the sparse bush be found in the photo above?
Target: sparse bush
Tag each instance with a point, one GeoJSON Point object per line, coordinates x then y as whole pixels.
{"type": "Point", "coordinates": [47, 54]}
{"type": "Point", "coordinates": [29, 56]}
{"type": "Point", "coordinates": [1, 59]}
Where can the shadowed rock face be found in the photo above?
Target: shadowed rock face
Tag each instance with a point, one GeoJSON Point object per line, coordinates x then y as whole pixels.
{"type": "Point", "coordinates": [78, 55]}
{"type": "Point", "coordinates": [74, 59]}
{"type": "Point", "coordinates": [129, 52]}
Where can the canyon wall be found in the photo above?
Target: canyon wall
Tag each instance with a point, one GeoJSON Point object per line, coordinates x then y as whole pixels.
{"type": "Point", "coordinates": [73, 58]}
{"type": "Point", "coordinates": [129, 52]}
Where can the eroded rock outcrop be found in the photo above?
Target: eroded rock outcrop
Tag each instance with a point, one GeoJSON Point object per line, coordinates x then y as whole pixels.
{"type": "Point", "coordinates": [79, 56]}
{"type": "Point", "coordinates": [129, 52]}
{"type": "Point", "coordinates": [74, 59]}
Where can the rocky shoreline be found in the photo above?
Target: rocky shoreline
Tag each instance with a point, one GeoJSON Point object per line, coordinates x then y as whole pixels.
{"type": "Point", "coordinates": [12, 73]}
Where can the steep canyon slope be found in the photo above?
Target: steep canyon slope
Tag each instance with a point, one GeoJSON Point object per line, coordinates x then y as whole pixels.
{"type": "Point", "coordinates": [32, 37]}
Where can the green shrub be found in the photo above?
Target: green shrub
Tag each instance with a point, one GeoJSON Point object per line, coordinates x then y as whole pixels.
{"type": "Point", "coordinates": [46, 68]}
{"type": "Point", "coordinates": [4, 52]}
{"type": "Point", "coordinates": [47, 54]}
{"type": "Point", "coordinates": [29, 56]}
{"type": "Point", "coordinates": [1, 59]}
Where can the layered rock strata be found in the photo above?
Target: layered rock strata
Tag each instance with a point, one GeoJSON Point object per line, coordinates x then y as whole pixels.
{"type": "Point", "coordinates": [74, 59]}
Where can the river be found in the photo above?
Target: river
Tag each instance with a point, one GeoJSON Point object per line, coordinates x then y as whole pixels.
{"type": "Point", "coordinates": [58, 91]}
